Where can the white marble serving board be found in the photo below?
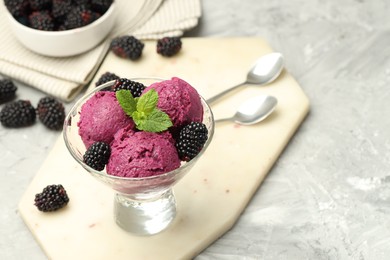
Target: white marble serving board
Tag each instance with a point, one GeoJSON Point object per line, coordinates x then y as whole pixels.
{"type": "Point", "coordinates": [211, 197]}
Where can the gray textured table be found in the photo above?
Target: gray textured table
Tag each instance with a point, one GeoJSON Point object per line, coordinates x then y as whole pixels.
{"type": "Point", "coordinates": [328, 196]}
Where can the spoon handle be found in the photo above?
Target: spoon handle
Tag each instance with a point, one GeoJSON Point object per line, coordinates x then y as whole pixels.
{"type": "Point", "coordinates": [223, 119]}
{"type": "Point", "coordinates": [212, 99]}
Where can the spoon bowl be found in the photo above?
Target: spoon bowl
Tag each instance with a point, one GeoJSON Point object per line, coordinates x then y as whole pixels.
{"type": "Point", "coordinates": [253, 110]}
{"type": "Point", "coordinates": [265, 70]}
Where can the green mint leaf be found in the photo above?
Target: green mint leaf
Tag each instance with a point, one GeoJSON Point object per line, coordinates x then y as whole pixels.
{"type": "Point", "coordinates": [156, 121]}
{"type": "Point", "coordinates": [147, 102]}
{"type": "Point", "coordinates": [138, 118]}
{"type": "Point", "coordinates": [143, 110]}
{"type": "Point", "coordinates": [126, 101]}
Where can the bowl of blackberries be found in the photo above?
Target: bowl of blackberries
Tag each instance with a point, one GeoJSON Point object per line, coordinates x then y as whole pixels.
{"type": "Point", "coordinates": [60, 28]}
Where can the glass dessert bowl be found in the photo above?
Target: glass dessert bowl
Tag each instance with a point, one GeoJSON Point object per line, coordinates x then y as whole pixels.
{"type": "Point", "coordinates": [142, 205]}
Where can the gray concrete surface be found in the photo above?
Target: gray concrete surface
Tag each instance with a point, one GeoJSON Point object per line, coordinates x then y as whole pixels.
{"type": "Point", "coordinates": [328, 195]}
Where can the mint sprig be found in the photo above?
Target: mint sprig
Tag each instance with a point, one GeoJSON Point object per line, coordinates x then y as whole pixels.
{"type": "Point", "coordinates": [147, 117]}
{"type": "Point", "coordinates": [127, 101]}
{"type": "Point", "coordinates": [148, 102]}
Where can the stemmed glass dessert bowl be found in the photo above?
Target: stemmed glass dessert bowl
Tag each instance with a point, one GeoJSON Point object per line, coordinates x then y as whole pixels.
{"type": "Point", "coordinates": [144, 205]}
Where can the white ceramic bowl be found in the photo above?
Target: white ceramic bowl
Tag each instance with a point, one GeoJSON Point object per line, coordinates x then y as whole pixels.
{"type": "Point", "coordinates": [64, 43]}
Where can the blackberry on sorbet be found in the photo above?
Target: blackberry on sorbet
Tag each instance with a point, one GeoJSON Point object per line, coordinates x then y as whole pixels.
{"type": "Point", "coordinates": [191, 140]}
{"type": "Point", "coordinates": [97, 155]}
{"type": "Point", "coordinates": [136, 88]}
{"type": "Point", "coordinates": [106, 77]}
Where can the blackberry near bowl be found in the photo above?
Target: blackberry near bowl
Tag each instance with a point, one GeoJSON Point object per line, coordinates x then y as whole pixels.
{"type": "Point", "coordinates": [60, 28]}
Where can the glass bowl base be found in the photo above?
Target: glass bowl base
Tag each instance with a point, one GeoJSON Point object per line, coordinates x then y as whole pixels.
{"type": "Point", "coordinates": [145, 217]}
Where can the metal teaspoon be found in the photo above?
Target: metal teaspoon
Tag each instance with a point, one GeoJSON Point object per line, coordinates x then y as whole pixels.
{"type": "Point", "coordinates": [253, 110]}
{"type": "Point", "coordinates": [266, 69]}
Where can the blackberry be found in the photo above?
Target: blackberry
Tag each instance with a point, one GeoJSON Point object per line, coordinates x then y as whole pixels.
{"type": "Point", "coordinates": [81, 2]}
{"type": "Point", "coordinates": [23, 20]}
{"type": "Point", "coordinates": [79, 16]}
{"type": "Point", "coordinates": [106, 77]}
{"type": "Point", "coordinates": [127, 47]}
{"type": "Point", "coordinates": [169, 46]}
{"type": "Point", "coordinates": [17, 114]}
{"type": "Point", "coordinates": [191, 140]}
{"type": "Point", "coordinates": [100, 6]}
{"type": "Point", "coordinates": [97, 155]}
{"type": "Point", "coordinates": [17, 8]}
{"type": "Point", "coordinates": [52, 198]}
{"type": "Point", "coordinates": [7, 90]}
{"type": "Point", "coordinates": [51, 113]}
{"type": "Point", "coordinates": [40, 5]}
{"type": "Point", "coordinates": [60, 8]}
{"type": "Point", "coordinates": [135, 88]}
{"type": "Point", "coordinates": [41, 20]}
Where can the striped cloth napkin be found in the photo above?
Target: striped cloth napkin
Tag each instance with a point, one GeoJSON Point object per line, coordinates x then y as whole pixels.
{"type": "Point", "coordinates": [65, 77]}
